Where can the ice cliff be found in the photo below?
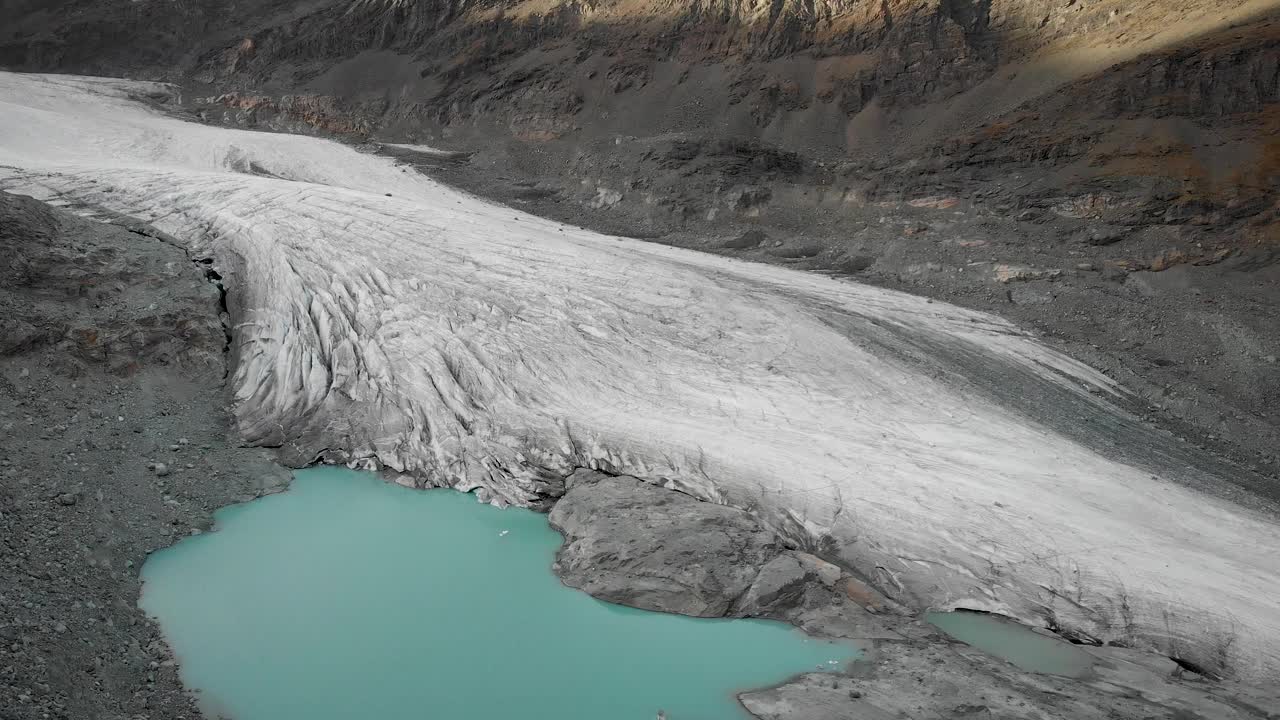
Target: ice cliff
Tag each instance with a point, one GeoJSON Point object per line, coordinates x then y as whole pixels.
{"type": "Point", "coordinates": [950, 457]}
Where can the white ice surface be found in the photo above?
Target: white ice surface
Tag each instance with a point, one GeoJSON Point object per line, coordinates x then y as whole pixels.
{"type": "Point", "coordinates": [425, 150]}
{"type": "Point", "coordinates": [473, 345]}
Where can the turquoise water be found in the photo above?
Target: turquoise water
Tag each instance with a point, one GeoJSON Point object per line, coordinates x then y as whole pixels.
{"type": "Point", "coordinates": [347, 597]}
{"type": "Point", "coordinates": [1015, 643]}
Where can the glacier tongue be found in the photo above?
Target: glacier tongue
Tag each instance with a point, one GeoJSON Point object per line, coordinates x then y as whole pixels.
{"type": "Point", "coordinates": [940, 451]}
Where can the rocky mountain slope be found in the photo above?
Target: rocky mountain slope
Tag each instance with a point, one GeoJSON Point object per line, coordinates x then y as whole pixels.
{"type": "Point", "coordinates": [968, 85]}
{"type": "Point", "coordinates": [1122, 157]}
{"type": "Point", "coordinates": [955, 87]}
{"type": "Point", "coordinates": [116, 442]}
{"type": "Point", "coordinates": [381, 318]}
{"type": "Point", "coordinates": [1101, 172]}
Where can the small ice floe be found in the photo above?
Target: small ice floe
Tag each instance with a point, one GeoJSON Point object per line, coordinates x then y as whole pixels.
{"type": "Point", "coordinates": [503, 533]}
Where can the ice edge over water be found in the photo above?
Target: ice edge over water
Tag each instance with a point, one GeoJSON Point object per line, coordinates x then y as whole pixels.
{"type": "Point", "coordinates": [942, 452]}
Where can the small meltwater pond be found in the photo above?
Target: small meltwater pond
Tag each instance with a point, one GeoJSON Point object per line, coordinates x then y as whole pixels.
{"type": "Point", "coordinates": [1014, 643]}
{"type": "Point", "coordinates": [348, 597]}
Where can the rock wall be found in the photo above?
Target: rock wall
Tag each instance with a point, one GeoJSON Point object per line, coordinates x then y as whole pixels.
{"type": "Point", "coordinates": [989, 87]}
{"type": "Point", "coordinates": [499, 60]}
{"type": "Point", "coordinates": [1091, 97]}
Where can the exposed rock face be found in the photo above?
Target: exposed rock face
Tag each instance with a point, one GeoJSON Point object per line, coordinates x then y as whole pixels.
{"type": "Point", "coordinates": [640, 545]}
{"type": "Point", "coordinates": [818, 596]}
{"type": "Point", "coordinates": [615, 529]}
{"type": "Point", "coordinates": [866, 78]}
{"type": "Point", "coordinates": [637, 544]}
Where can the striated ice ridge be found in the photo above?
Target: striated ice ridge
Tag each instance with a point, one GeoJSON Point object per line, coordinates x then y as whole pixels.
{"type": "Point", "coordinates": [944, 453]}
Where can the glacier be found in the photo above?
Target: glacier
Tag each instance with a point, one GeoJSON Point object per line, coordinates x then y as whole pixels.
{"type": "Point", "coordinates": [948, 456]}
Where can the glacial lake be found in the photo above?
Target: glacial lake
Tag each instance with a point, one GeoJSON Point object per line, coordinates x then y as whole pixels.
{"type": "Point", "coordinates": [1014, 643]}
{"type": "Point", "coordinates": [348, 597]}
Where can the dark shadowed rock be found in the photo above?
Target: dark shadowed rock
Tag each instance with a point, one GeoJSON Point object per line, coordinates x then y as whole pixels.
{"type": "Point", "coordinates": [852, 264]}
{"type": "Point", "coordinates": [745, 241]}
{"type": "Point", "coordinates": [796, 251]}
